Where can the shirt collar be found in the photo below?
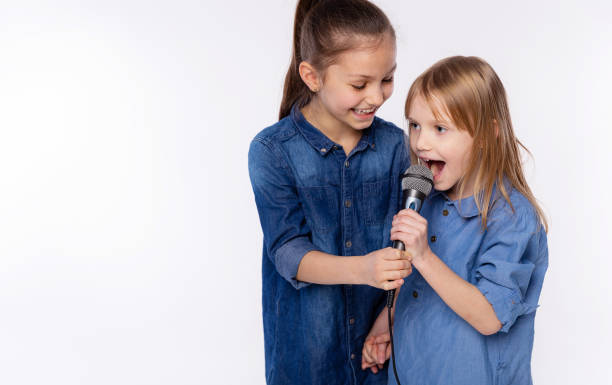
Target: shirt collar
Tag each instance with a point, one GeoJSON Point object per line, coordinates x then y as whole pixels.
{"type": "Point", "coordinates": [466, 207]}
{"type": "Point", "coordinates": [322, 143]}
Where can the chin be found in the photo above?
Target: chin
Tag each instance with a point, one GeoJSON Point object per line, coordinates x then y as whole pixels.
{"type": "Point", "coordinates": [362, 124]}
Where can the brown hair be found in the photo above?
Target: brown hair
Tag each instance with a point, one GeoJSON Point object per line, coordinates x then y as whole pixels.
{"type": "Point", "coordinates": [322, 30]}
{"type": "Point", "coordinates": [474, 98]}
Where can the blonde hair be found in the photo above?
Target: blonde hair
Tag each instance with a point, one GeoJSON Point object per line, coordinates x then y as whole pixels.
{"type": "Point", "coordinates": [474, 98]}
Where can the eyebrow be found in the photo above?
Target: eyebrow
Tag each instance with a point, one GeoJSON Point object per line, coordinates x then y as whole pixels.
{"type": "Point", "coordinates": [370, 77]}
{"type": "Point", "coordinates": [412, 120]}
{"type": "Point", "coordinates": [435, 122]}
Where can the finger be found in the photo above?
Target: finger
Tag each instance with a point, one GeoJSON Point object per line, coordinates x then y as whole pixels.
{"type": "Point", "coordinates": [409, 228]}
{"type": "Point", "coordinates": [388, 352]}
{"type": "Point", "coordinates": [364, 364]}
{"type": "Point", "coordinates": [410, 213]}
{"type": "Point", "coordinates": [409, 221]}
{"type": "Point", "coordinates": [400, 264]}
{"type": "Point", "coordinates": [367, 349]}
{"type": "Point", "coordinates": [407, 235]}
{"type": "Point", "coordinates": [395, 274]}
{"type": "Point", "coordinates": [380, 353]}
{"type": "Point", "coordinates": [390, 285]}
{"type": "Point", "coordinates": [382, 338]}
{"type": "Point", "coordinates": [407, 239]}
{"type": "Point", "coordinates": [392, 254]}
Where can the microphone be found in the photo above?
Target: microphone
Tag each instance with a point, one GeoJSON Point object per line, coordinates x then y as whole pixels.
{"type": "Point", "coordinates": [417, 183]}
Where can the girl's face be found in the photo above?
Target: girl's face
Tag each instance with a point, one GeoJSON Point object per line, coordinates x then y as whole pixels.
{"type": "Point", "coordinates": [356, 85]}
{"type": "Point", "coordinates": [441, 146]}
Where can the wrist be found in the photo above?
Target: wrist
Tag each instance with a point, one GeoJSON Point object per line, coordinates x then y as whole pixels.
{"type": "Point", "coordinates": [359, 270]}
{"type": "Point", "coordinates": [422, 261]}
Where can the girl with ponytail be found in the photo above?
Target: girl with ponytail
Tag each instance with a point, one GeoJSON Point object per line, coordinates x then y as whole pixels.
{"type": "Point", "coordinates": [326, 184]}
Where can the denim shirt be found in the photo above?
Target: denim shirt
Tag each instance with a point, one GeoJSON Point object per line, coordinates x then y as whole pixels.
{"type": "Point", "coordinates": [507, 263]}
{"type": "Point", "coordinates": [311, 196]}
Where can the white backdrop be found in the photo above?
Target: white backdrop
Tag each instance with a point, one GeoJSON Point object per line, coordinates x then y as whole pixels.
{"type": "Point", "coordinates": [130, 247]}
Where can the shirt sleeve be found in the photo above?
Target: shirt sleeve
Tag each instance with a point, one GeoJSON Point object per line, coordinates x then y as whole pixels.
{"type": "Point", "coordinates": [504, 268]}
{"type": "Point", "coordinates": [405, 157]}
{"type": "Point", "coordinates": [286, 234]}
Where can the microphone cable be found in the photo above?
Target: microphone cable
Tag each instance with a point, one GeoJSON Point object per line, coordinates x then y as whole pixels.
{"type": "Point", "coordinates": [390, 296]}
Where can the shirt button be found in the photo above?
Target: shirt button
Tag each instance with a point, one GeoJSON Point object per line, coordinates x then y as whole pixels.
{"type": "Point", "coordinates": [349, 243]}
{"type": "Point", "coordinates": [415, 294]}
{"type": "Point", "coordinates": [433, 238]}
{"type": "Point", "coordinates": [324, 150]}
{"type": "Point", "coordinates": [352, 356]}
{"type": "Point", "coordinates": [352, 321]}
{"type": "Point", "coordinates": [445, 212]}
{"type": "Point", "coordinates": [347, 203]}
{"type": "Point", "coordinates": [347, 164]}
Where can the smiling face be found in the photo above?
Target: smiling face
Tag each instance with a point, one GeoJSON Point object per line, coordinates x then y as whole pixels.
{"type": "Point", "coordinates": [441, 146]}
{"type": "Point", "coordinates": [352, 88]}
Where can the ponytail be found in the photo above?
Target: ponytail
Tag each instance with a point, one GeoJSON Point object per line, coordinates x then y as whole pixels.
{"type": "Point", "coordinates": [295, 89]}
{"type": "Point", "coordinates": [323, 29]}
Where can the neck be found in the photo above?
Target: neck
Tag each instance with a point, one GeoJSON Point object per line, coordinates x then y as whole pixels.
{"type": "Point", "coordinates": [468, 190]}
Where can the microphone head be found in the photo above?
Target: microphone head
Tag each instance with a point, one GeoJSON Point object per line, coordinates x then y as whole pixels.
{"type": "Point", "coordinates": [418, 177]}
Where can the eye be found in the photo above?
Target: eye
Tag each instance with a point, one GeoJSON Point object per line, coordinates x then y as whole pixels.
{"type": "Point", "coordinates": [441, 129]}
{"type": "Point", "coordinates": [388, 80]}
{"type": "Point", "coordinates": [414, 126]}
{"type": "Point", "coordinates": [358, 86]}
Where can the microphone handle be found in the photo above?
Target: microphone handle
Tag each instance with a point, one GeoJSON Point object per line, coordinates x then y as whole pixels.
{"type": "Point", "coordinates": [391, 293]}
{"type": "Point", "coordinates": [412, 199]}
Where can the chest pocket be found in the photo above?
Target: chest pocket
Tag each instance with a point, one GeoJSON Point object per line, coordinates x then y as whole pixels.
{"type": "Point", "coordinates": [320, 207]}
{"type": "Point", "coordinates": [376, 201]}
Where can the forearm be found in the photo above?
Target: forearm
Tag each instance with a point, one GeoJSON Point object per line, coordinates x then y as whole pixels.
{"type": "Point", "coordinates": [327, 269]}
{"type": "Point", "coordinates": [461, 296]}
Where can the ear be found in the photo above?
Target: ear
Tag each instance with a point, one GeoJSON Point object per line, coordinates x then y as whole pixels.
{"type": "Point", "coordinates": [310, 76]}
{"type": "Point", "coordinates": [496, 126]}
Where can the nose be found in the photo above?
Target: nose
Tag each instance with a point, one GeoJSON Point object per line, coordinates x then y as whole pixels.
{"type": "Point", "coordinates": [376, 96]}
{"type": "Point", "coordinates": [422, 140]}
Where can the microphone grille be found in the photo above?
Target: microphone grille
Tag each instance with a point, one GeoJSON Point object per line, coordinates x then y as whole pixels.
{"type": "Point", "coordinates": [418, 177]}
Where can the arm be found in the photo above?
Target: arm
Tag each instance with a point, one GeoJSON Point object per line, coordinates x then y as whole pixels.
{"type": "Point", "coordinates": [461, 296]}
{"type": "Point", "coordinates": [384, 269]}
{"type": "Point", "coordinates": [464, 298]}
{"type": "Point", "coordinates": [287, 237]}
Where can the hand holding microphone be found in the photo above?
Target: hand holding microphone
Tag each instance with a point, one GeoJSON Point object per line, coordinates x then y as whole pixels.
{"type": "Point", "coordinates": [386, 268]}
{"type": "Point", "coordinates": [409, 229]}
{"type": "Point", "coordinates": [417, 183]}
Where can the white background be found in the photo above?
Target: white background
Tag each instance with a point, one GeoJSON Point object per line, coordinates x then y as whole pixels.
{"type": "Point", "coordinates": [130, 247]}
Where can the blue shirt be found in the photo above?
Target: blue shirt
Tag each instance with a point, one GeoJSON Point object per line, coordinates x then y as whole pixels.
{"type": "Point", "coordinates": [311, 196]}
{"type": "Point", "coordinates": [507, 263]}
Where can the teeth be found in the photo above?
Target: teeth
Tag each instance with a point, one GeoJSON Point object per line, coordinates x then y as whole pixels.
{"type": "Point", "coordinates": [365, 111]}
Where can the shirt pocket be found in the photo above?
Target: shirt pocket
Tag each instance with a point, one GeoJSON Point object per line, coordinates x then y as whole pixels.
{"type": "Point", "coordinates": [376, 196]}
{"type": "Point", "coordinates": [320, 207]}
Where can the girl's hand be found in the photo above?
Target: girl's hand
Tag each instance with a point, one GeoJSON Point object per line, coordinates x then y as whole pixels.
{"type": "Point", "coordinates": [411, 228]}
{"type": "Point", "coordinates": [386, 268]}
{"type": "Point", "coordinates": [376, 348]}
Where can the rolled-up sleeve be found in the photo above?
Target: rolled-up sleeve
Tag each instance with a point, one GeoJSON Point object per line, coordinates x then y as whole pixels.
{"type": "Point", "coordinates": [504, 268]}
{"type": "Point", "coordinates": [287, 237]}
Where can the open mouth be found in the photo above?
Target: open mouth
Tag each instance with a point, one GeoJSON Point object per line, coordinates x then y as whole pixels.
{"type": "Point", "coordinates": [436, 166]}
{"type": "Point", "coordinates": [364, 113]}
